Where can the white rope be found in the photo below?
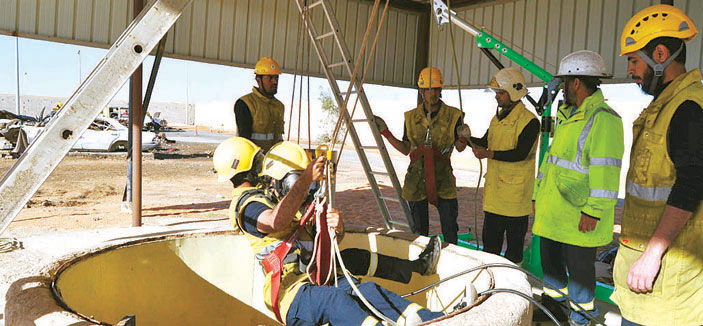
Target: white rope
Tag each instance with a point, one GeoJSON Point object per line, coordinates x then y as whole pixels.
{"type": "Point", "coordinates": [480, 162]}
{"type": "Point", "coordinates": [353, 286]}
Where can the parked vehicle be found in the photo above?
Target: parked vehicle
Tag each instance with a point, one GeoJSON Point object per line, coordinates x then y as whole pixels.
{"type": "Point", "coordinates": [104, 134]}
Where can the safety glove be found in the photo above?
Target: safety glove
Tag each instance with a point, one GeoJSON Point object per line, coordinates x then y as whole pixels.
{"type": "Point", "coordinates": [464, 133]}
{"type": "Point", "coordinates": [382, 126]}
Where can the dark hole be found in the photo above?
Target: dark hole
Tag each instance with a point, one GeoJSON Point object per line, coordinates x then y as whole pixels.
{"type": "Point", "coordinates": [638, 24]}
{"type": "Point", "coordinates": [655, 15]}
{"type": "Point", "coordinates": [645, 19]}
{"type": "Point", "coordinates": [66, 134]}
{"type": "Point", "coordinates": [138, 48]}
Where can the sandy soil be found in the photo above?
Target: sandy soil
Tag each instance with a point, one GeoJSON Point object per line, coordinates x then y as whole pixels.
{"type": "Point", "coordinates": [178, 182]}
{"type": "Point", "coordinates": [85, 192]}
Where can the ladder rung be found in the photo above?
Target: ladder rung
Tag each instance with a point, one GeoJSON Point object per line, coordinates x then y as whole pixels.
{"type": "Point", "coordinates": [345, 93]}
{"type": "Point", "coordinates": [315, 4]}
{"type": "Point", "coordinates": [338, 64]}
{"type": "Point", "coordinates": [393, 199]}
{"type": "Point", "coordinates": [379, 172]}
{"type": "Point", "coordinates": [360, 120]}
{"type": "Point", "coordinates": [399, 223]}
{"type": "Point", "coordinates": [324, 36]}
{"type": "Point", "coordinates": [369, 147]}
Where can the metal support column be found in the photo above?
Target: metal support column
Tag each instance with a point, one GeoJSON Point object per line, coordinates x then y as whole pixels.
{"type": "Point", "coordinates": [135, 116]}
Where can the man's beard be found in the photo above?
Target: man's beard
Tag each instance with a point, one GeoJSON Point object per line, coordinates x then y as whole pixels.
{"type": "Point", "coordinates": [646, 81]}
{"type": "Point", "coordinates": [569, 97]}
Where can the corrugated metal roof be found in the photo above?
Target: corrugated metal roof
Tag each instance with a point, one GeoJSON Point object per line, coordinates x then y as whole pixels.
{"type": "Point", "coordinates": [238, 32]}
{"type": "Point", "coordinates": [544, 31]}
{"type": "Point", "coordinates": [230, 32]}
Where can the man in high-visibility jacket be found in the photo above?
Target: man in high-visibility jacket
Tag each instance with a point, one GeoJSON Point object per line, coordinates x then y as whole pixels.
{"type": "Point", "coordinates": [259, 115]}
{"type": "Point", "coordinates": [266, 223]}
{"type": "Point", "coordinates": [432, 131]}
{"type": "Point", "coordinates": [510, 144]}
{"type": "Point", "coordinates": [577, 185]}
{"type": "Point", "coordinates": [658, 270]}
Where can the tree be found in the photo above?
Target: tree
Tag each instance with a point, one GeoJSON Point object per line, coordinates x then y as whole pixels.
{"type": "Point", "coordinates": [328, 120]}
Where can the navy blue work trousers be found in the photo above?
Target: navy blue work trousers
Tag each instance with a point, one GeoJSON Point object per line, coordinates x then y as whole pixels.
{"type": "Point", "coordinates": [579, 284]}
{"type": "Point", "coordinates": [339, 306]}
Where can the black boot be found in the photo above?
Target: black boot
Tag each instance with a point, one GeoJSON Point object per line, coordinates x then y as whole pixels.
{"type": "Point", "coordinates": [427, 261]}
{"type": "Point", "coordinates": [558, 309]}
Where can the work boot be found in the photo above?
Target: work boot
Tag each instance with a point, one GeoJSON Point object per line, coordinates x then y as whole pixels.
{"type": "Point", "coordinates": [560, 312]}
{"type": "Point", "coordinates": [429, 256]}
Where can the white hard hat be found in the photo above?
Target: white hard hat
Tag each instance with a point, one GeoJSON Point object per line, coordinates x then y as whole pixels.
{"type": "Point", "coordinates": [510, 80]}
{"type": "Point", "coordinates": [583, 63]}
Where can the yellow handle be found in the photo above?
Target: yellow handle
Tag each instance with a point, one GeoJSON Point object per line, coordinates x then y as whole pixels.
{"type": "Point", "coordinates": [323, 149]}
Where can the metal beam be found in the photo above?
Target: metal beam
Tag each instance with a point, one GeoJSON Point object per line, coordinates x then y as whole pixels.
{"type": "Point", "coordinates": [46, 152]}
{"type": "Point", "coordinates": [415, 6]}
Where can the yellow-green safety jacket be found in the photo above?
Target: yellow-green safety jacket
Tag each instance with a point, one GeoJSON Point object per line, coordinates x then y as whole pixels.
{"type": "Point", "coordinates": [267, 116]}
{"type": "Point", "coordinates": [291, 276]}
{"type": "Point", "coordinates": [442, 137]}
{"type": "Point", "coordinates": [509, 185]}
{"type": "Point", "coordinates": [677, 295]}
{"type": "Point", "coordinates": [580, 173]}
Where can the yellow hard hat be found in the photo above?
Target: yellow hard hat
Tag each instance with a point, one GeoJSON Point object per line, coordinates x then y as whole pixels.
{"type": "Point", "coordinates": [510, 80]}
{"type": "Point", "coordinates": [652, 22]}
{"type": "Point", "coordinates": [267, 66]}
{"type": "Point", "coordinates": [284, 157]}
{"type": "Point", "coordinates": [424, 80]}
{"type": "Point", "coordinates": [234, 155]}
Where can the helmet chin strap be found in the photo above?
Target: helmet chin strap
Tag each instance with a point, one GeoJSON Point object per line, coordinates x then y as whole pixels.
{"type": "Point", "coordinates": [658, 67]}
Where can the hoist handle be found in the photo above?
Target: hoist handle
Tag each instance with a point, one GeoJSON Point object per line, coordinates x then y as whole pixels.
{"type": "Point", "coordinates": [323, 150]}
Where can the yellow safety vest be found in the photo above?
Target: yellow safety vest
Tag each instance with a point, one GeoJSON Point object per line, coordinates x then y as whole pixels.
{"type": "Point", "coordinates": [267, 117]}
{"type": "Point", "coordinates": [291, 276]}
{"type": "Point", "coordinates": [678, 290]}
{"type": "Point", "coordinates": [442, 137]}
{"type": "Point", "coordinates": [509, 185]}
{"type": "Point", "coordinates": [580, 173]}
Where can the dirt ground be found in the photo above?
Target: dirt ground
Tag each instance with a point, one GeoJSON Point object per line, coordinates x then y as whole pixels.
{"type": "Point", "coordinates": [85, 192]}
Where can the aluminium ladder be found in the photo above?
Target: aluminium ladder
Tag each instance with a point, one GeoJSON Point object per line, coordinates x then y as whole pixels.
{"type": "Point", "coordinates": [348, 66]}
{"type": "Point", "coordinates": [46, 152]}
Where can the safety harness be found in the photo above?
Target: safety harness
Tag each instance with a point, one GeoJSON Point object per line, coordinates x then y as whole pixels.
{"type": "Point", "coordinates": [319, 270]}
{"type": "Point", "coordinates": [429, 154]}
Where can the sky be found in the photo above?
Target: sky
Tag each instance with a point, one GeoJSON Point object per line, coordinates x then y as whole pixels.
{"type": "Point", "coordinates": [55, 69]}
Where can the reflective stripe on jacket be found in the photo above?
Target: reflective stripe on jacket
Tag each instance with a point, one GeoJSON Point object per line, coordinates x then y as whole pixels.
{"type": "Point", "coordinates": [267, 119]}
{"type": "Point", "coordinates": [442, 135]}
{"type": "Point", "coordinates": [676, 297]}
{"type": "Point", "coordinates": [580, 173]}
{"type": "Point", "coordinates": [509, 185]}
{"type": "Point", "coordinates": [291, 277]}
